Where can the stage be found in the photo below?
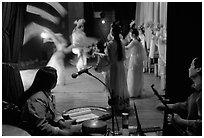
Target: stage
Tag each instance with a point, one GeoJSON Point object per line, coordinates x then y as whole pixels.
{"type": "Point", "coordinates": [87, 91]}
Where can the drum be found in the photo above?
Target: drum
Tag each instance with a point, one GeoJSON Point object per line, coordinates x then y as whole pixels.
{"type": "Point", "coordinates": [92, 118]}
{"type": "Point", "coordinates": [94, 127]}
{"type": "Point", "coordinates": [87, 113]}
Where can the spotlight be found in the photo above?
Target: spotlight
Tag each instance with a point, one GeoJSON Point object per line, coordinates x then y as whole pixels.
{"type": "Point", "coordinates": [103, 21]}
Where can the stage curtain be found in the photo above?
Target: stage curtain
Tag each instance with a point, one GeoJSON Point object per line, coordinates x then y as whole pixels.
{"type": "Point", "coordinates": [151, 11]}
{"type": "Point", "coordinates": [12, 40]}
{"type": "Point", "coordinates": [75, 12]}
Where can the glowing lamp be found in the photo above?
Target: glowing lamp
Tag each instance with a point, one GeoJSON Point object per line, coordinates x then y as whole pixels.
{"type": "Point", "coordinates": [103, 21]}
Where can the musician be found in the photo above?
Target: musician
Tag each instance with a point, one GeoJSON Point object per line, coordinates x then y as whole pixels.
{"type": "Point", "coordinates": [193, 105]}
{"type": "Point", "coordinates": [39, 117]}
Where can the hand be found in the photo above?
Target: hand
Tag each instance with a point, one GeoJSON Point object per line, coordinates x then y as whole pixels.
{"type": "Point", "coordinates": [102, 55]}
{"type": "Point", "coordinates": [76, 129]}
{"type": "Point", "coordinates": [176, 118]}
{"type": "Point", "coordinates": [65, 132]}
{"type": "Point", "coordinates": [70, 122]}
{"type": "Point", "coordinates": [160, 107]}
{"type": "Point", "coordinates": [170, 118]}
{"type": "Point", "coordinates": [67, 123]}
{"type": "Point", "coordinates": [73, 130]}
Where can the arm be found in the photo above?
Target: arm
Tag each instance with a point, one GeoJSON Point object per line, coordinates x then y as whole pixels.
{"type": "Point", "coordinates": [186, 122]}
{"type": "Point", "coordinates": [61, 122]}
{"type": "Point", "coordinates": [176, 107]}
{"type": "Point", "coordinates": [194, 124]}
{"type": "Point", "coordinates": [68, 49]}
{"type": "Point", "coordinates": [38, 119]}
{"type": "Point", "coordinates": [130, 45]}
{"type": "Point", "coordinates": [43, 119]}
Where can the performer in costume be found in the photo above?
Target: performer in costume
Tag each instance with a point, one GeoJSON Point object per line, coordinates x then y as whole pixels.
{"type": "Point", "coordinates": [143, 41]}
{"type": "Point", "coordinates": [135, 80]}
{"type": "Point", "coordinates": [118, 83]}
{"type": "Point", "coordinates": [57, 59]}
{"type": "Point", "coordinates": [162, 56]}
{"type": "Point", "coordinates": [81, 44]}
{"type": "Point", "coordinates": [128, 39]}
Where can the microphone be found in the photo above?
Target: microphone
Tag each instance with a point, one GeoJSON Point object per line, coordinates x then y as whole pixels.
{"type": "Point", "coordinates": [74, 75]}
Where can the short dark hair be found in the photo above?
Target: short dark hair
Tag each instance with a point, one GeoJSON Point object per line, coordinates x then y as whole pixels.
{"type": "Point", "coordinates": [45, 79]}
{"type": "Point", "coordinates": [198, 64]}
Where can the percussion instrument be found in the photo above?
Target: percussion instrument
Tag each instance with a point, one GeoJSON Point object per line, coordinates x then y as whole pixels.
{"type": "Point", "coordinates": [94, 127]}
{"type": "Point", "coordinates": [92, 118]}
{"type": "Point", "coordinates": [87, 113]}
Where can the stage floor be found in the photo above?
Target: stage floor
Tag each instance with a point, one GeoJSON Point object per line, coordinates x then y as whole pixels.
{"type": "Point", "coordinates": [87, 91]}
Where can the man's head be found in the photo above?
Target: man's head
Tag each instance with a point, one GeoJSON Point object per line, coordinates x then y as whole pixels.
{"type": "Point", "coordinates": [195, 69]}
{"type": "Point", "coordinates": [45, 78]}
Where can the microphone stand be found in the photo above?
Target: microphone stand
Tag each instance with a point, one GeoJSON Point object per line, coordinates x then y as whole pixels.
{"type": "Point", "coordinates": [111, 103]}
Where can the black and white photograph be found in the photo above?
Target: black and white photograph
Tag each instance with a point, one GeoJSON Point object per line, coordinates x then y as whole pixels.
{"type": "Point", "coordinates": [101, 68]}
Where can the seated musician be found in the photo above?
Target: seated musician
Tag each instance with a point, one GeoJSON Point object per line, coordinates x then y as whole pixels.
{"type": "Point", "coordinates": [39, 116]}
{"type": "Point", "coordinates": [193, 105]}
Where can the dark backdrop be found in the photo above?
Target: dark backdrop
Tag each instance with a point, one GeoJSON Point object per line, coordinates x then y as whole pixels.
{"type": "Point", "coordinates": [122, 11]}
{"type": "Point", "coordinates": [184, 42]}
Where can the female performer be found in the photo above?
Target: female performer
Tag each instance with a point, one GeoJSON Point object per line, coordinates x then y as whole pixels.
{"type": "Point", "coordinates": [135, 66]}
{"type": "Point", "coordinates": [81, 44]}
{"type": "Point", "coordinates": [57, 59]}
{"type": "Point", "coordinates": [118, 83]}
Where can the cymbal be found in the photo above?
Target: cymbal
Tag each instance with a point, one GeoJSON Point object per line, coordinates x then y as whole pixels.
{"type": "Point", "coordinates": [95, 126]}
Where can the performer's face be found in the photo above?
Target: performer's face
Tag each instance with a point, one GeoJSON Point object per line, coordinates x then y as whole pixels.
{"type": "Point", "coordinates": [82, 28]}
{"type": "Point", "coordinates": [192, 70]}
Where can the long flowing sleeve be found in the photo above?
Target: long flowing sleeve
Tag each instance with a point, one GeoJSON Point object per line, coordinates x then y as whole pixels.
{"type": "Point", "coordinates": [79, 39]}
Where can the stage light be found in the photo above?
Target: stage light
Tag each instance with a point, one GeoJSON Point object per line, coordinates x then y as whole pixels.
{"type": "Point", "coordinates": [103, 21]}
{"type": "Point", "coordinates": [44, 35]}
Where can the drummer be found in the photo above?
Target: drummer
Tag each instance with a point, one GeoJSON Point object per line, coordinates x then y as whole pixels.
{"type": "Point", "coordinates": [39, 117]}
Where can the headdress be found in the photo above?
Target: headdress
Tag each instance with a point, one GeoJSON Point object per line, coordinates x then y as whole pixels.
{"type": "Point", "coordinates": [116, 27]}
{"type": "Point", "coordinates": [132, 24]}
{"type": "Point", "coordinates": [79, 22]}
